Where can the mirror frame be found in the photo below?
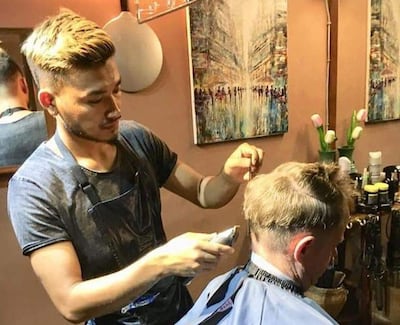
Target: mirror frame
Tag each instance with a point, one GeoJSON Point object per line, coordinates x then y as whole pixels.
{"type": "Point", "coordinates": [5, 174]}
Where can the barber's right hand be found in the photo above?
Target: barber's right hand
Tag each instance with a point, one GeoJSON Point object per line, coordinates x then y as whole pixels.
{"type": "Point", "coordinates": [190, 253]}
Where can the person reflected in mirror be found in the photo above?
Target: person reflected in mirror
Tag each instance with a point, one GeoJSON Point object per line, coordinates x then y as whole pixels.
{"type": "Point", "coordinates": [86, 206]}
{"type": "Point", "coordinates": [297, 215]}
{"type": "Point", "coordinates": [21, 130]}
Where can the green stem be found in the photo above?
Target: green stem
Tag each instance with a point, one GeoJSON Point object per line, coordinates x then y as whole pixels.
{"type": "Point", "coordinates": [322, 142]}
{"type": "Point", "coordinates": [353, 122]}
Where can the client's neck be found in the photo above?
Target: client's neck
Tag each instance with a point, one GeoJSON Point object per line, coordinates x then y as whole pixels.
{"type": "Point", "coordinates": [266, 249]}
{"type": "Point", "coordinates": [6, 103]}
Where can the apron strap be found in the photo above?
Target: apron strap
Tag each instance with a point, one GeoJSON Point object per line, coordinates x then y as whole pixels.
{"type": "Point", "coordinates": [77, 171]}
{"type": "Point", "coordinates": [90, 191]}
{"type": "Point", "coordinates": [84, 184]}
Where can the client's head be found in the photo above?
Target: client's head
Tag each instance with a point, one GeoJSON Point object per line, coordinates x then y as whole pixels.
{"type": "Point", "coordinates": [297, 216]}
{"type": "Point", "coordinates": [13, 87]}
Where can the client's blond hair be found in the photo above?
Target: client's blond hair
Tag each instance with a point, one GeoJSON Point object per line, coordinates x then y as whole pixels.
{"type": "Point", "coordinates": [297, 196]}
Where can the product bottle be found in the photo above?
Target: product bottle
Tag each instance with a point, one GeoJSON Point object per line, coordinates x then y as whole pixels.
{"type": "Point", "coordinates": [393, 183]}
{"type": "Point", "coordinates": [371, 194]}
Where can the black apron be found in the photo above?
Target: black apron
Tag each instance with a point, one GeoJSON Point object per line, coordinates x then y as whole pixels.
{"type": "Point", "coordinates": [132, 231]}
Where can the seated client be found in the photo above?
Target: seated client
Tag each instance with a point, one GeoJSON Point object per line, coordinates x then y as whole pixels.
{"type": "Point", "coordinates": [21, 130]}
{"type": "Point", "coordinates": [297, 216]}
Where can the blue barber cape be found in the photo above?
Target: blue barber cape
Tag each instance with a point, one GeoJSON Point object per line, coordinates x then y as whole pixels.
{"type": "Point", "coordinates": [247, 301]}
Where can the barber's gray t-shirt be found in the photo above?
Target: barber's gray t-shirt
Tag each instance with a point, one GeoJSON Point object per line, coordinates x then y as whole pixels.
{"type": "Point", "coordinates": [46, 204]}
{"type": "Point", "coordinates": [20, 138]}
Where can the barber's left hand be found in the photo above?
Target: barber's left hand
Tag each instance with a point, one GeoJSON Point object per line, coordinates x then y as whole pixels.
{"type": "Point", "coordinates": [244, 163]}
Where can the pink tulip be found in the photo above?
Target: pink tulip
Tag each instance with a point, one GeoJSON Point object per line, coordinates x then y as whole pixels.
{"type": "Point", "coordinates": [362, 115]}
{"type": "Point", "coordinates": [317, 120]}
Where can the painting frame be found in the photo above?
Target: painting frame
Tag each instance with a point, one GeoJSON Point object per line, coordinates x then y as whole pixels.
{"type": "Point", "coordinates": [383, 62]}
{"type": "Point", "coordinates": [238, 69]}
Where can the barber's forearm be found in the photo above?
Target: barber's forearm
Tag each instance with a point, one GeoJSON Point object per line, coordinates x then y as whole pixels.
{"type": "Point", "coordinates": [109, 293]}
{"type": "Point", "coordinates": [218, 190]}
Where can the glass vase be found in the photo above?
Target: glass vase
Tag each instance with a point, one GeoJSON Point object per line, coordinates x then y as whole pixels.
{"type": "Point", "coordinates": [346, 151]}
{"type": "Point", "coordinates": [327, 156]}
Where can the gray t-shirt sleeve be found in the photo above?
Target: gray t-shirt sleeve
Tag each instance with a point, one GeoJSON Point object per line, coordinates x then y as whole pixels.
{"type": "Point", "coordinates": [147, 144]}
{"type": "Point", "coordinates": [35, 222]}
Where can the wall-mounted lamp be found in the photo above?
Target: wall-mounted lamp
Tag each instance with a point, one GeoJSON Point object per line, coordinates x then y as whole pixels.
{"type": "Point", "coordinates": [138, 54]}
{"type": "Point", "coordinates": [138, 50]}
{"type": "Point", "coordinates": [158, 9]}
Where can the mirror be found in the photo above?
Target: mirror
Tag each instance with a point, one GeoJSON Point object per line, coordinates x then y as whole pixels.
{"type": "Point", "coordinates": [11, 40]}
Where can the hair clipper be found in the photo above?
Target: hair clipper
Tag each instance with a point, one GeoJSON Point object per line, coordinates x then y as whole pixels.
{"type": "Point", "coordinates": [226, 237]}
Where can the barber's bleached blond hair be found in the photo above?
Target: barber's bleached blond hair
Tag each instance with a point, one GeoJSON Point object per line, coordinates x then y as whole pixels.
{"type": "Point", "coordinates": [297, 196]}
{"type": "Point", "coordinates": [64, 43]}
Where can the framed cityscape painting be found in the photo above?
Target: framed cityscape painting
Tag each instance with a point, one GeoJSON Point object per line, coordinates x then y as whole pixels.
{"type": "Point", "coordinates": [383, 89]}
{"type": "Point", "coordinates": [238, 61]}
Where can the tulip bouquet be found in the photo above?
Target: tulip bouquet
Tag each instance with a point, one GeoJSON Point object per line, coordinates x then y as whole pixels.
{"type": "Point", "coordinates": [354, 130]}
{"type": "Point", "coordinates": [353, 133]}
{"type": "Point", "coordinates": [326, 139]}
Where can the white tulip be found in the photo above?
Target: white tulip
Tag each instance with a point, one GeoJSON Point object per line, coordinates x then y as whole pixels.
{"type": "Point", "coordinates": [356, 132]}
{"type": "Point", "coordinates": [330, 136]}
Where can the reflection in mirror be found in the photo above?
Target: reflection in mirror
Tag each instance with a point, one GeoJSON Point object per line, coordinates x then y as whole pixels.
{"type": "Point", "coordinates": [22, 125]}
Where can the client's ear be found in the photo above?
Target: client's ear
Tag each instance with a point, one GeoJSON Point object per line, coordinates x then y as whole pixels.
{"type": "Point", "coordinates": [46, 99]}
{"type": "Point", "coordinates": [23, 85]}
{"type": "Point", "coordinates": [301, 246]}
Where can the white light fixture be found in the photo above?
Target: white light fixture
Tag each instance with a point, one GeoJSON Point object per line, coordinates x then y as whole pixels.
{"type": "Point", "coordinates": [159, 8]}
{"type": "Point", "coordinates": [138, 54]}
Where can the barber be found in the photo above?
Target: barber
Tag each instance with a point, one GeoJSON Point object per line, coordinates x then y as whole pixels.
{"type": "Point", "coordinates": [86, 205]}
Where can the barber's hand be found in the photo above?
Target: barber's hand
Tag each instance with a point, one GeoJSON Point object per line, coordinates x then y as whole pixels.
{"type": "Point", "coordinates": [190, 254]}
{"type": "Point", "coordinates": [244, 163]}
